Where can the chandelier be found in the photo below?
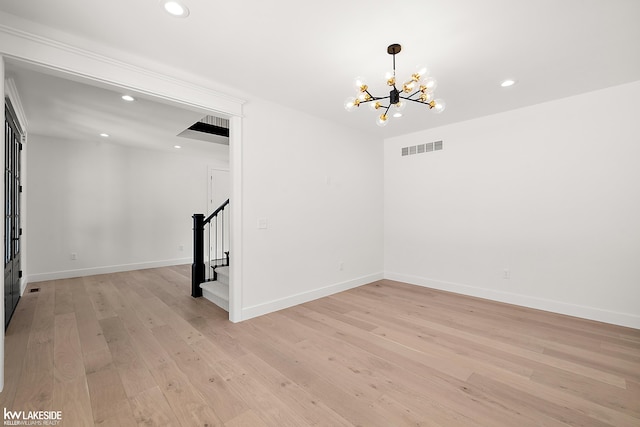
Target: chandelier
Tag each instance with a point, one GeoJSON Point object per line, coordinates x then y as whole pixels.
{"type": "Point", "coordinates": [419, 88]}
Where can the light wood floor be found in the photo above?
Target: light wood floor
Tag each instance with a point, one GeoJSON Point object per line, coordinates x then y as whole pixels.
{"type": "Point", "coordinates": [134, 348]}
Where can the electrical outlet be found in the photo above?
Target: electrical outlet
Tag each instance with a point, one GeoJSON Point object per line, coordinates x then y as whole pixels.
{"type": "Point", "coordinates": [506, 274]}
{"type": "Point", "coordinates": [181, 248]}
{"type": "Point", "coordinates": [340, 266]}
{"type": "Point", "coordinates": [74, 256]}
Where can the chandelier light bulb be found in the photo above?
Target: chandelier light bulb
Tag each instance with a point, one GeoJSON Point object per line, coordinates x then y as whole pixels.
{"type": "Point", "coordinates": [390, 78]}
{"type": "Point", "coordinates": [438, 105]}
{"type": "Point", "coordinates": [364, 96]}
{"type": "Point", "coordinates": [350, 104]}
{"type": "Point", "coordinates": [430, 83]}
{"type": "Point", "coordinates": [382, 120]}
{"type": "Point", "coordinates": [421, 72]}
{"type": "Point", "coordinates": [408, 86]}
{"type": "Point", "coordinates": [360, 84]}
{"type": "Point", "coordinates": [426, 97]}
{"type": "Point", "coordinates": [400, 106]}
{"type": "Point", "coordinates": [375, 105]}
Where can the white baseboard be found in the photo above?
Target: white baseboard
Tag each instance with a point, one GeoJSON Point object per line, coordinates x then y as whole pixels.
{"type": "Point", "coordinates": [23, 285]}
{"type": "Point", "coordinates": [279, 304]}
{"type": "Point", "coordinates": [69, 274]}
{"type": "Point", "coordinates": [584, 312]}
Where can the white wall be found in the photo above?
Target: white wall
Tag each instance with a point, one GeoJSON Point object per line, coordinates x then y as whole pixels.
{"type": "Point", "coordinates": [550, 192]}
{"type": "Point", "coordinates": [117, 207]}
{"type": "Point", "coordinates": [319, 187]}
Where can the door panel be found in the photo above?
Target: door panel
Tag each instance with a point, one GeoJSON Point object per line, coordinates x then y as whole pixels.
{"type": "Point", "coordinates": [12, 230]}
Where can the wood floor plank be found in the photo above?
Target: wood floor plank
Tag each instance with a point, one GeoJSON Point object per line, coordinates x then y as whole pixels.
{"type": "Point", "coordinates": [134, 374]}
{"type": "Point", "coordinates": [152, 409]}
{"type": "Point", "coordinates": [246, 419]}
{"type": "Point", "coordinates": [63, 297]}
{"type": "Point", "coordinates": [17, 337]}
{"type": "Point", "coordinates": [547, 412]}
{"type": "Point", "coordinates": [134, 349]}
{"type": "Point", "coordinates": [98, 289]}
{"type": "Point", "coordinates": [68, 363]}
{"type": "Point", "coordinates": [297, 398]}
{"type": "Point", "coordinates": [72, 398]}
{"type": "Point", "coordinates": [269, 408]}
{"type": "Point", "coordinates": [109, 402]}
{"type": "Point", "coordinates": [542, 358]}
{"type": "Point", "coordinates": [209, 384]}
{"type": "Point", "coordinates": [187, 404]}
{"type": "Point", "coordinates": [35, 389]}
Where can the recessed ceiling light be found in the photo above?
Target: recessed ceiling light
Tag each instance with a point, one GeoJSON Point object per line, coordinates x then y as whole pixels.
{"type": "Point", "coordinates": [104, 135]}
{"type": "Point", "coordinates": [177, 146]}
{"type": "Point", "coordinates": [128, 98]}
{"type": "Point", "coordinates": [507, 83]}
{"type": "Point", "coordinates": [176, 8]}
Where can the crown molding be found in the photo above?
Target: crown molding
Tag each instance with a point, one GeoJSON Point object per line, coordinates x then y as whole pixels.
{"type": "Point", "coordinates": [62, 57]}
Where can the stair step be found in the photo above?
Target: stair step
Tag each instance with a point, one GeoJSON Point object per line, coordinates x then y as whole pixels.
{"type": "Point", "coordinates": [223, 275]}
{"type": "Point", "coordinates": [216, 292]}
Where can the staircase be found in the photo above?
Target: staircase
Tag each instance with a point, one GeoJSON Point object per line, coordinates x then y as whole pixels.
{"type": "Point", "coordinates": [210, 268]}
{"type": "Point", "coordinates": [218, 291]}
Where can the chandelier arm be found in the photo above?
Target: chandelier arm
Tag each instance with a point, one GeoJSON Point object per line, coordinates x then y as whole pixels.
{"type": "Point", "coordinates": [409, 96]}
{"type": "Point", "coordinates": [416, 100]}
{"type": "Point", "coordinates": [374, 98]}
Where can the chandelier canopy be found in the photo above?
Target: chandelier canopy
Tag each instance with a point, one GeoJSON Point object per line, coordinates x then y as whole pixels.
{"type": "Point", "coordinates": [419, 88]}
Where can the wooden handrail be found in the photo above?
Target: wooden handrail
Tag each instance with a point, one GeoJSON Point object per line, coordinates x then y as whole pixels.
{"type": "Point", "coordinates": [215, 213]}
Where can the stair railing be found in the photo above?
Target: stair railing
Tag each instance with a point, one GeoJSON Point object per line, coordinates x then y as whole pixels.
{"type": "Point", "coordinates": [211, 233]}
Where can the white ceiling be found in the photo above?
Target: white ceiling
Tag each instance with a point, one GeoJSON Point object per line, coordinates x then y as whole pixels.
{"type": "Point", "coordinates": [72, 110]}
{"type": "Point", "coordinates": [306, 54]}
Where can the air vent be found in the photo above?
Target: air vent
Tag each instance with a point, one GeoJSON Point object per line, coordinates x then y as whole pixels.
{"type": "Point", "coordinates": [209, 128]}
{"type": "Point", "coordinates": [422, 148]}
{"type": "Point", "coordinates": [213, 125]}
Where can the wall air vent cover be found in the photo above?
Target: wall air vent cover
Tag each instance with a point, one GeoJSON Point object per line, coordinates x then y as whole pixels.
{"type": "Point", "coordinates": [422, 148]}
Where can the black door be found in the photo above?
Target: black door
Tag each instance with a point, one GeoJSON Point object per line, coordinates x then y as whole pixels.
{"type": "Point", "coordinates": [12, 229]}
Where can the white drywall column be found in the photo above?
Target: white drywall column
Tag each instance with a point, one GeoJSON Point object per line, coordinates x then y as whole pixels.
{"type": "Point", "coordinates": [235, 247]}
